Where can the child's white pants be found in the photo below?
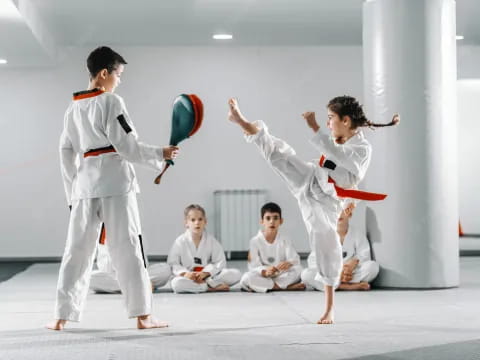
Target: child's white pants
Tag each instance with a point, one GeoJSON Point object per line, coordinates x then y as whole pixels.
{"type": "Point", "coordinates": [229, 277]}
{"type": "Point", "coordinates": [120, 215]}
{"type": "Point", "coordinates": [253, 280]}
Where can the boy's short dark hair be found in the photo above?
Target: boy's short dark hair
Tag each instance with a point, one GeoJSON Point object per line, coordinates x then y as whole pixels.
{"type": "Point", "coordinates": [103, 58]}
{"type": "Point", "coordinates": [272, 208]}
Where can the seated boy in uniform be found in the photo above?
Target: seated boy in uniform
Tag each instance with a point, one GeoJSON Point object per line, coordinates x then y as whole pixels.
{"type": "Point", "coordinates": [273, 262]}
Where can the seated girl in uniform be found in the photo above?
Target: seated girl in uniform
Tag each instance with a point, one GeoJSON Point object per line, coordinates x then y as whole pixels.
{"type": "Point", "coordinates": [197, 259]}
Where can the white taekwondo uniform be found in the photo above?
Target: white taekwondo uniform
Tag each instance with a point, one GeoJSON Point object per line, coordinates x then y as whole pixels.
{"type": "Point", "coordinates": [97, 147]}
{"type": "Point", "coordinates": [209, 257]}
{"type": "Point", "coordinates": [262, 255]}
{"type": "Point", "coordinates": [317, 198]}
{"type": "Point", "coordinates": [355, 245]}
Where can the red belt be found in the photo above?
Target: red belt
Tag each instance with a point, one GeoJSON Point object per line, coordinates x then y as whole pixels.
{"type": "Point", "coordinates": [356, 194]}
{"type": "Point", "coordinates": [99, 151]}
{"type": "Point", "coordinates": [198, 268]}
{"type": "Point", "coordinates": [350, 193]}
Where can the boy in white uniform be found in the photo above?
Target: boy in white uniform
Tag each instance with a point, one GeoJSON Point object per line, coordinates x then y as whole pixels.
{"type": "Point", "coordinates": [104, 279]}
{"type": "Point", "coordinates": [97, 148]}
{"type": "Point", "coordinates": [273, 262]}
{"type": "Point", "coordinates": [197, 259]}
{"type": "Point", "coordinates": [359, 270]}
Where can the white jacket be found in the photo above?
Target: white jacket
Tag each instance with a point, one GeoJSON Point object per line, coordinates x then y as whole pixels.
{"type": "Point", "coordinates": [356, 245]}
{"type": "Point", "coordinates": [96, 120]}
{"type": "Point", "coordinates": [209, 254]}
{"type": "Point", "coordinates": [351, 159]}
{"type": "Point", "coordinates": [263, 254]}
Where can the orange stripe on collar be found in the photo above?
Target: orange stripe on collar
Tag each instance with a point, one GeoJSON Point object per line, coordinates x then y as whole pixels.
{"type": "Point", "coordinates": [87, 94]}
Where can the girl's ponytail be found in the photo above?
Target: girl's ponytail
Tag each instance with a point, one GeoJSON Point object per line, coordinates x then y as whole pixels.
{"type": "Point", "coordinates": [349, 106]}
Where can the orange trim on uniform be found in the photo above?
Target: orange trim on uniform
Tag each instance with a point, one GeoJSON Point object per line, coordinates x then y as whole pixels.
{"type": "Point", "coordinates": [322, 160]}
{"type": "Point", "coordinates": [103, 235]}
{"type": "Point", "coordinates": [89, 94]}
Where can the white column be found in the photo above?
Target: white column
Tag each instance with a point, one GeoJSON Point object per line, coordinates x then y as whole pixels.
{"type": "Point", "coordinates": [409, 55]}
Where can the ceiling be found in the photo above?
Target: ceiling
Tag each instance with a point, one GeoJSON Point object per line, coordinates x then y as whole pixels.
{"type": "Point", "coordinates": [31, 31]}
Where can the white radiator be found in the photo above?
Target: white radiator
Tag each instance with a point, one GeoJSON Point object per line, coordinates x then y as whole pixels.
{"type": "Point", "coordinates": [237, 217]}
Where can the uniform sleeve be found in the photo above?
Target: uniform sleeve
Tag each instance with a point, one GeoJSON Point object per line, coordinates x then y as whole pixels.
{"type": "Point", "coordinates": [291, 254]}
{"type": "Point", "coordinates": [122, 135]}
{"type": "Point", "coordinates": [175, 259]}
{"type": "Point", "coordinates": [362, 248]}
{"type": "Point", "coordinates": [218, 259]}
{"type": "Point", "coordinates": [343, 177]}
{"type": "Point", "coordinates": [352, 158]}
{"type": "Point", "coordinates": [254, 260]}
{"type": "Point", "coordinates": [67, 165]}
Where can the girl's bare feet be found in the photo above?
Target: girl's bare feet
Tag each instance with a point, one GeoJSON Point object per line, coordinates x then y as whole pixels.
{"type": "Point", "coordinates": [327, 318]}
{"type": "Point", "coordinates": [56, 324]}
{"type": "Point", "coordinates": [235, 116]}
{"type": "Point", "coordinates": [149, 322]}
{"type": "Point", "coordinates": [293, 287]}
{"type": "Point", "coordinates": [364, 286]}
{"type": "Point", "coordinates": [296, 287]}
{"type": "Point", "coordinates": [354, 286]}
{"type": "Point", "coordinates": [221, 287]}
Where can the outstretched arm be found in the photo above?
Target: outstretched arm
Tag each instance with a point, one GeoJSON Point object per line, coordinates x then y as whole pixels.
{"type": "Point", "coordinates": [123, 136]}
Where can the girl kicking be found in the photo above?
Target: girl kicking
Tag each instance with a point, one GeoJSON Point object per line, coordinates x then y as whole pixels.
{"type": "Point", "coordinates": [320, 187]}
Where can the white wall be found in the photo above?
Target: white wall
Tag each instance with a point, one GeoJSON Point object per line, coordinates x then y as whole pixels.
{"type": "Point", "coordinates": [468, 162]}
{"type": "Point", "coordinates": [468, 129]}
{"type": "Point", "coordinates": [273, 84]}
{"type": "Point", "coordinates": [468, 62]}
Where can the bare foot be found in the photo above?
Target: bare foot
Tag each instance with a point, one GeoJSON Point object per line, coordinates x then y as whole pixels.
{"type": "Point", "coordinates": [275, 287]}
{"type": "Point", "coordinates": [56, 324]}
{"type": "Point", "coordinates": [237, 117]}
{"type": "Point", "coordinates": [327, 318]}
{"type": "Point", "coordinates": [234, 114]}
{"type": "Point", "coordinates": [149, 322]}
{"type": "Point", "coordinates": [364, 286]}
{"type": "Point", "coordinates": [221, 287]}
{"type": "Point", "coordinates": [296, 287]}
